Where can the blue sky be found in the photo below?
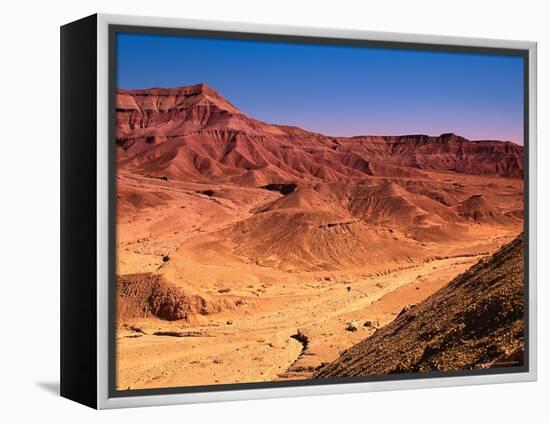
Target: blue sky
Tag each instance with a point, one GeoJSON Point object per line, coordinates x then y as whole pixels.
{"type": "Point", "coordinates": [338, 90]}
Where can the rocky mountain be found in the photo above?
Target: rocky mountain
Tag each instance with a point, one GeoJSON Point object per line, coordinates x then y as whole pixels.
{"type": "Point", "coordinates": [195, 133]}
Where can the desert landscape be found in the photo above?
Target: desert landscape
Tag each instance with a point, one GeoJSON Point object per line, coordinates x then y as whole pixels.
{"type": "Point", "coordinates": [249, 252]}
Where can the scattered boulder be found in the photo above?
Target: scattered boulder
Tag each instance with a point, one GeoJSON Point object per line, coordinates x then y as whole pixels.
{"type": "Point", "coordinates": [372, 324]}
{"type": "Point", "coordinates": [352, 326]}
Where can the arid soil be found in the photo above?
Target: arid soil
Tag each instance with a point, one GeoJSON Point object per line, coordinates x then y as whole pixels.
{"type": "Point", "coordinates": [476, 321]}
{"type": "Point", "coordinates": [251, 252]}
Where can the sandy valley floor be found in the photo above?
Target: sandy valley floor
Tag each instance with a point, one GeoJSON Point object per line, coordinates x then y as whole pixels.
{"type": "Point", "coordinates": [270, 320]}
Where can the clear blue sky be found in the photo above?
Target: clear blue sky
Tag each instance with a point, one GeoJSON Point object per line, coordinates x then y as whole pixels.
{"type": "Point", "coordinates": [338, 90]}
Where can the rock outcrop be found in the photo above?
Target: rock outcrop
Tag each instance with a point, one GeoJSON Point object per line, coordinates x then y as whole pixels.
{"type": "Point", "coordinates": [148, 295]}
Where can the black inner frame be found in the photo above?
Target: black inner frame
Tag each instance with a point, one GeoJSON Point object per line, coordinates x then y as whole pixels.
{"type": "Point", "coordinates": [114, 29]}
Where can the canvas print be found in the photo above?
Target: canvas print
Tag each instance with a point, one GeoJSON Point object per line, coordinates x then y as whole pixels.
{"type": "Point", "coordinates": [292, 210]}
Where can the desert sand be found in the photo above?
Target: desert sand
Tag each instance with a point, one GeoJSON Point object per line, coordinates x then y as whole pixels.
{"type": "Point", "coordinates": [250, 252]}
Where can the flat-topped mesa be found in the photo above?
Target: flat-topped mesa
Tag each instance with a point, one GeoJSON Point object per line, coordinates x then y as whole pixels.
{"type": "Point", "coordinates": [456, 144]}
{"type": "Point", "coordinates": [447, 152]}
{"type": "Point", "coordinates": [444, 138]}
{"type": "Point", "coordinates": [161, 91]}
{"type": "Point", "coordinates": [166, 99]}
{"type": "Point", "coordinates": [171, 111]}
